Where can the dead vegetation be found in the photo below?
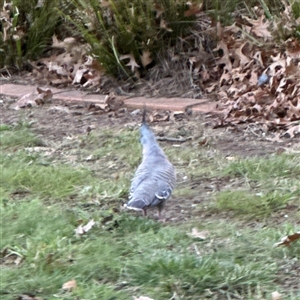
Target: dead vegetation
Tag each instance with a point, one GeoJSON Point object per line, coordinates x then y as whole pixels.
{"type": "Point", "coordinates": [250, 68]}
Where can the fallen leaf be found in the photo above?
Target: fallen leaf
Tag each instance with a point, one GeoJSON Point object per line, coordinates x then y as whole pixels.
{"type": "Point", "coordinates": [158, 9]}
{"type": "Point", "coordinates": [294, 130]}
{"type": "Point", "coordinates": [113, 102]}
{"type": "Point", "coordinates": [225, 59]}
{"type": "Point", "coordinates": [202, 235]}
{"type": "Point", "coordinates": [231, 158]}
{"type": "Point", "coordinates": [10, 257]}
{"type": "Point", "coordinates": [81, 230]}
{"type": "Point", "coordinates": [79, 75]}
{"type": "Point", "coordinates": [260, 27]}
{"type": "Point", "coordinates": [69, 285]}
{"type": "Point", "coordinates": [44, 150]}
{"type": "Point", "coordinates": [163, 24]}
{"type": "Point", "coordinates": [35, 98]}
{"type": "Point", "coordinates": [146, 58]}
{"type": "Point", "coordinates": [276, 296]}
{"type": "Point", "coordinates": [241, 56]}
{"type": "Point", "coordinates": [132, 62]}
{"type": "Point", "coordinates": [66, 44]}
{"type": "Point", "coordinates": [286, 240]}
{"type": "Point", "coordinates": [193, 9]}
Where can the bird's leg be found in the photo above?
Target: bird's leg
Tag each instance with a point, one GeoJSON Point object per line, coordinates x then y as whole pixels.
{"type": "Point", "coordinates": [159, 212]}
{"type": "Point", "coordinates": [144, 212]}
{"type": "Point", "coordinates": [160, 207]}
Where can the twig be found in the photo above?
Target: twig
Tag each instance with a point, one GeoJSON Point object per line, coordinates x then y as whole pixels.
{"type": "Point", "coordinates": [170, 139]}
{"type": "Point", "coordinates": [196, 250]}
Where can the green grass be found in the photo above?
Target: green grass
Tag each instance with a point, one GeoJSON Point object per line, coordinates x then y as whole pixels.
{"type": "Point", "coordinates": [262, 169]}
{"type": "Point", "coordinates": [18, 135]}
{"type": "Point", "coordinates": [27, 173]}
{"type": "Point", "coordinates": [269, 185]}
{"type": "Point", "coordinates": [252, 205]}
{"type": "Point", "coordinates": [45, 197]}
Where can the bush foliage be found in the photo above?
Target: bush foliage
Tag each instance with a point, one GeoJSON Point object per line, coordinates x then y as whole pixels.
{"type": "Point", "coordinates": [126, 35]}
{"type": "Point", "coordinates": [26, 30]}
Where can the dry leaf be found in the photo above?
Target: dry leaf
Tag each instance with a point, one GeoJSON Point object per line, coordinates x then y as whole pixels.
{"type": "Point", "coordinates": [66, 44]}
{"type": "Point", "coordinates": [241, 56]}
{"type": "Point", "coordinates": [158, 9]}
{"type": "Point", "coordinates": [260, 27]}
{"type": "Point", "coordinates": [79, 75]}
{"type": "Point", "coordinates": [193, 10]}
{"type": "Point", "coordinates": [146, 58]}
{"type": "Point", "coordinates": [69, 285]}
{"type": "Point", "coordinates": [286, 240]}
{"type": "Point", "coordinates": [163, 25]}
{"type": "Point", "coordinates": [132, 62]}
{"type": "Point", "coordinates": [198, 234]}
{"type": "Point", "coordinates": [81, 230]}
{"type": "Point", "coordinates": [35, 98]}
{"type": "Point", "coordinates": [113, 102]}
{"type": "Point", "coordinates": [293, 131]}
{"type": "Point", "coordinates": [67, 67]}
{"type": "Point", "coordinates": [225, 59]}
{"type": "Point", "coordinates": [9, 257]}
{"type": "Point", "coordinates": [276, 296]}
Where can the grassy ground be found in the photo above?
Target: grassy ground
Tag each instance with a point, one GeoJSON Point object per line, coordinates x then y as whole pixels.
{"type": "Point", "coordinates": [47, 192]}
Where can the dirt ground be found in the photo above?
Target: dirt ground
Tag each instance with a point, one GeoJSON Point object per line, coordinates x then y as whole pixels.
{"type": "Point", "coordinates": [58, 122]}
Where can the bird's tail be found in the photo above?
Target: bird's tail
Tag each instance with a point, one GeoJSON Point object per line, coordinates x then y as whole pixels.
{"type": "Point", "coordinates": [144, 115]}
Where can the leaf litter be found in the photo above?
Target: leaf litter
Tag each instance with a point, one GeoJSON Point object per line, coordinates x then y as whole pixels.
{"type": "Point", "coordinates": [38, 97]}
{"type": "Point", "coordinates": [254, 74]}
{"type": "Point", "coordinates": [259, 79]}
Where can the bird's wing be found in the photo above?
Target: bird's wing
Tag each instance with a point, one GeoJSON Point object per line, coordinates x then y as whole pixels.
{"type": "Point", "coordinates": [151, 188]}
{"type": "Point", "coordinates": [145, 194]}
{"type": "Point", "coordinates": [141, 174]}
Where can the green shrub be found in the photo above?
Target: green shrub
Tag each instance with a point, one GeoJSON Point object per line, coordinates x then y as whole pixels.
{"type": "Point", "coordinates": [26, 30]}
{"type": "Point", "coordinates": [125, 33]}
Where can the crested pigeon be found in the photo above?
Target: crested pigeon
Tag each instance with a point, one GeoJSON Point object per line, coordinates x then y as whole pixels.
{"type": "Point", "coordinates": [155, 177]}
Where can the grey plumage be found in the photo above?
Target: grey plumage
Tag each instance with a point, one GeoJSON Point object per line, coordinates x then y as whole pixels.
{"type": "Point", "coordinates": [155, 177]}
